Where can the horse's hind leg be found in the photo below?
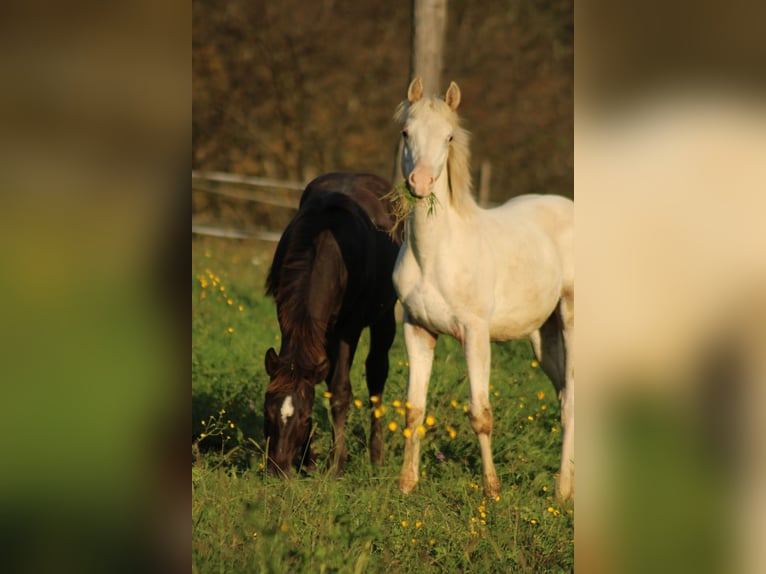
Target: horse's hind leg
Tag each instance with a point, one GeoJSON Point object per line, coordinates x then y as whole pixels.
{"type": "Point", "coordinates": [552, 344]}
{"type": "Point", "coordinates": [549, 347]}
{"type": "Point", "coordinates": [382, 334]}
{"type": "Point", "coordinates": [340, 387]}
{"type": "Point", "coordinates": [565, 483]}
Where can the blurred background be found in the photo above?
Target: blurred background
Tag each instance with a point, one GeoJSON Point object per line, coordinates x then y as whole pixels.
{"type": "Point", "coordinates": [289, 89]}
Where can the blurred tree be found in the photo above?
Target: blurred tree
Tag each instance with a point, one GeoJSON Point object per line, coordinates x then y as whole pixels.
{"type": "Point", "coordinates": [429, 26]}
{"type": "Point", "coordinates": [288, 89]}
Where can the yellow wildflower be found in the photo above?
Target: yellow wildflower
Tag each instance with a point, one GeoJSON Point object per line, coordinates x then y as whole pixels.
{"type": "Point", "coordinates": [327, 395]}
{"type": "Point", "coordinates": [392, 426]}
{"type": "Point", "coordinates": [396, 404]}
{"type": "Point", "coordinates": [421, 430]}
{"type": "Point", "coordinates": [407, 433]}
{"type": "Point", "coordinates": [358, 403]}
{"type": "Point", "coordinates": [535, 364]}
{"type": "Point", "coordinates": [430, 421]}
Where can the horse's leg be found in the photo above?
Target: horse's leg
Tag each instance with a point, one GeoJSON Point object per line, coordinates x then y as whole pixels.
{"type": "Point", "coordinates": [382, 334]}
{"type": "Point", "coordinates": [420, 345]}
{"type": "Point", "coordinates": [549, 347]}
{"type": "Point", "coordinates": [565, 483]}
{"type": "Point", "coordinates": [340, 387]}
{"type": "Point", "coordinates": [477, 354]}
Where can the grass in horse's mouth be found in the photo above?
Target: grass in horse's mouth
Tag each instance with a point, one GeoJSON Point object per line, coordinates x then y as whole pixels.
{"type": "Point", "coordinates": [403, 202]}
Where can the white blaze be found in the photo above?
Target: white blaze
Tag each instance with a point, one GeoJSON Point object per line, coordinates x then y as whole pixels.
{"type": "Point", "coordinates": [287, 409]}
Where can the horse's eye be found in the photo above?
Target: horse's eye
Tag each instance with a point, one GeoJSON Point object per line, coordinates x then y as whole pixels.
{"type": "Point", "coordinates": [449, 139]}
{"type": "Point", "coordinates": [405, 134]}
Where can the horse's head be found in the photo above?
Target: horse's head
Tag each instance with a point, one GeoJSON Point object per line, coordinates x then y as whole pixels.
{"type": "Point", "coordinates": [429, 126]}
{"type": "Point", "coordinates": [287, 410]}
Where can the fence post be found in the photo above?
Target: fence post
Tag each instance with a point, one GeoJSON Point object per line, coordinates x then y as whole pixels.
{"type": "Point", "coordinates": [485, 175]}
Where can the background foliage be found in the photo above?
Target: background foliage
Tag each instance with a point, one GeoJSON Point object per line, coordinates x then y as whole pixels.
{"type": "Point", "coordinates": [291, 89]}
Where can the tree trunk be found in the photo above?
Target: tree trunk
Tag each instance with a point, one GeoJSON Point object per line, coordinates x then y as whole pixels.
{"type": "Point", "coordinates": [429, 26]}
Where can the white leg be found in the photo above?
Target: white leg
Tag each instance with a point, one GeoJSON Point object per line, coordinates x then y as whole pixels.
{"type": "Point", "coordinates": [565, 484]}
{"type": "Point", "coordinates": [420, 353]}
{"type": "Point", "coordinates": [477, 354]}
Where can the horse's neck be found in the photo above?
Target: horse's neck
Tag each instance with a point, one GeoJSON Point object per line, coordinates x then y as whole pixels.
{"type": "Point", "coordinates": [430, 223]}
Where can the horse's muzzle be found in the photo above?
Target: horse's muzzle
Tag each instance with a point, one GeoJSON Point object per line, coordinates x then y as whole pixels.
{"type": "Point", "coordinates": [420, 181]}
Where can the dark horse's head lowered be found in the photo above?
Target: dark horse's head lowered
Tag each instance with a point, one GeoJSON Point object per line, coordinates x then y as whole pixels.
{"type": "Point", "coordinates": [287, 411]}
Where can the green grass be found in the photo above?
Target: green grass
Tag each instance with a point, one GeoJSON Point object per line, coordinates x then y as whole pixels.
{"type": "Point", "coordinates": [245, 521]}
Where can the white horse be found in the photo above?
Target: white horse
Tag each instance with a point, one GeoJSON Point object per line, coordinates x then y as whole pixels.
{"type": "Point", "coordinates": [479, 275]}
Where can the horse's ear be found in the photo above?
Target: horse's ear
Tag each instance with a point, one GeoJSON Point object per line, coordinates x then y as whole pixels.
{"type": "Point", "coordinates": [415, 91]}
{"type": "Point", "coordinates": [271, 362]}
{"type": "Point", "coordinates": [452, 97]}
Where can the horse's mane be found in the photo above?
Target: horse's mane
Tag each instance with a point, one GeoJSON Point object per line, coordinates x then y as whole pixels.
{"type": "Point", "coordinates": [289, 282]}
{"type": "Point", "coordinates": [459, 159]}
{"type": "Point", "coordinates": [290, 278]}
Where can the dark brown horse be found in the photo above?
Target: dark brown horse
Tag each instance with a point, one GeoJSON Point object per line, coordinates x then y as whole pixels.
{"type": "Point", "coordinates": [330, 278]}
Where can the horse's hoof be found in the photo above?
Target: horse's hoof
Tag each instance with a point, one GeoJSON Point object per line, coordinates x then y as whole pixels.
{"type": "Point", "coordinates": [407, 483]}
{"type": "Point", "coordinates": [491, 486]}
{"type": "Point", "coordinates": [564, 492]}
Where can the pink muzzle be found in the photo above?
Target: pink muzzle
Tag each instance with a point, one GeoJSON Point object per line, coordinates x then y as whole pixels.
{"type": "Point", "coordinates": [420, 181]}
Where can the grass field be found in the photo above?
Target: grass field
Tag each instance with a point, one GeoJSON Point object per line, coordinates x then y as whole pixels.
{"type": "Point", "coordinates": [245, 521]}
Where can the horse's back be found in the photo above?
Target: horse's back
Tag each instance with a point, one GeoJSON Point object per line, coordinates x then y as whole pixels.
{"type": "Point", "coordinates": [348, 210]}
{"type": "Point", "coordinates": [366, 189]}
{"type": "Point", "coordinates": [547, 216]}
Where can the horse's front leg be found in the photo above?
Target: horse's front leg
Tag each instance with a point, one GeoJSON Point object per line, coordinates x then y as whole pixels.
{"type": "Point", "coordinates": [382, 334]}
{"type": "Point", "coordinates": [420, 345]}
{"type": "Point", "coordinates": [340, 388]}
{"type": "Point", "coordinates": [477, 353]}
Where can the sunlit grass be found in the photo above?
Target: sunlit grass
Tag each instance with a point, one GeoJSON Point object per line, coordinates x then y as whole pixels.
{"type": "Point", "coordinates": [245, 521]}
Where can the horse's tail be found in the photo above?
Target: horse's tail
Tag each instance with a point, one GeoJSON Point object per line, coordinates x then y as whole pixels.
{"type": "Point", "coordinates": [334, 212]}
{"type": "Point", "coordinates": [319, 258]}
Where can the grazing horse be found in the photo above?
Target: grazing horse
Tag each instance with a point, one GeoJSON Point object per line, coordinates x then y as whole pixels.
{"type": "Point", "coordinates": [330, 278]}
{"type": "Point", "coordinates": [479, 275]}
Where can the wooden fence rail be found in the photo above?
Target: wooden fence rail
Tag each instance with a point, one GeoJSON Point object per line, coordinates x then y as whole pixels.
{"type": "Point", "coordinates": [246, 180]}
{"type": "Point", "coordinates": [205, 180]}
